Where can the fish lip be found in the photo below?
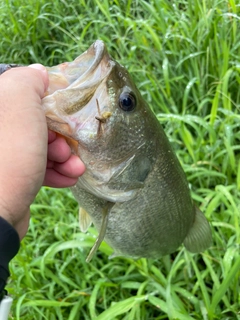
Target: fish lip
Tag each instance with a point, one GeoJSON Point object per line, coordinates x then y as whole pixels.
{"type": "Point", "coordinates": [69, 74]}
{"type": "Point", "coordinates": [99, 51]}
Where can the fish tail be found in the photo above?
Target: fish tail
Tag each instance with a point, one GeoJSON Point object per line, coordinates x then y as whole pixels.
{"type": "Point", "coordinates": [199, 237]}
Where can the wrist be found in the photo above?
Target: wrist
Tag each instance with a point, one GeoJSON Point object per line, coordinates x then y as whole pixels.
{"type": "Point", "coordinates": [18, 218]}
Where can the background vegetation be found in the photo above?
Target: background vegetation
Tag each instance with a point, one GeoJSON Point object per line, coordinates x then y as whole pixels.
{"type": "Point", "coordinates": [184, 57]}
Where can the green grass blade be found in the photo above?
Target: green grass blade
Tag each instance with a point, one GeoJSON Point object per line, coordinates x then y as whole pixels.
{"type": "Point", "coordinates": [233, 272]}
{"type": "Point", "coordinates": [121, 307]}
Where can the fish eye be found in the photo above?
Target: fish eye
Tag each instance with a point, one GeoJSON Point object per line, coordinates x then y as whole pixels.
{"type": "Point", "coordinates": [127, 101]}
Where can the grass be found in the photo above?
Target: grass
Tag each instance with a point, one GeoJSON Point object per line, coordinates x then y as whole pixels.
{"type": "Point", "coordinates": [184, 57]}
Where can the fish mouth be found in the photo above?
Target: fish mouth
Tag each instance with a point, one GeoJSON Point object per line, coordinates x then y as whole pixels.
{"type": "Point", "coordinates": [72, 85]}
{"type": "Point", "coordinates": [97, 54]}
{"type": "Point", "coordinates": [85, 71]}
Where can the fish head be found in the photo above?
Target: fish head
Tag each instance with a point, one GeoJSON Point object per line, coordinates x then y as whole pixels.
{"type": "Point", "coordinates": [93, 101]}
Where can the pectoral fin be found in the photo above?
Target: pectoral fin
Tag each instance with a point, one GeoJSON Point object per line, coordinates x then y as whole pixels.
{"type": "Point", "coordinates": [199, 237]}
{"type": "Point", "coordinates": [102, 232]}
{"type": "Point", "coordinates": [84, 220]}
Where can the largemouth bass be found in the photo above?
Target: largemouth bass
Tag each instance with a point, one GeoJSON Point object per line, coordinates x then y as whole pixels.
{"type": "Point", "coordinates": [134, 189]}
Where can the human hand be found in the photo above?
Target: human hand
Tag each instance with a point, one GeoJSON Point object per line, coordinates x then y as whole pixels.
{"type": "Point", "coordinates": [63, 168]}
{"type": "Point", "coordinates": [27, 148]}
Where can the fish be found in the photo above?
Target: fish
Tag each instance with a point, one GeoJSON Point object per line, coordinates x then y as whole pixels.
{"type": "Point", "coordinates": [134, 189]}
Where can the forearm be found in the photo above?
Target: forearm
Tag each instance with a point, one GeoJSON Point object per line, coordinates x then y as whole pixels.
{"type": "Point", "coordinates": [9, 246]}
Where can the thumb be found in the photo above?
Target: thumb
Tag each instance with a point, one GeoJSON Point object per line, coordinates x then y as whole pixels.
{"type": "Point", "coordinates": [44, 72]}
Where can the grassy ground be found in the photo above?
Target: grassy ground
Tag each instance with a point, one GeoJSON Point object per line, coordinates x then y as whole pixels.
{"type": "Point", "coordinates": [184, 57]}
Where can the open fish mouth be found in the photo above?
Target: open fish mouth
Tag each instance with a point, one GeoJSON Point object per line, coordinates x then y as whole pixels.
{"type": "Point", "coordinates": [85, 71]}
{"type": "Point", "coordinates": [72, 87]}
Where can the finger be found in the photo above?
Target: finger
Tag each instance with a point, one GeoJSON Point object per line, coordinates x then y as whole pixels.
{"type": "Point", "coordinates": [51, 136]}
{"type": "Point", "coordinates": [50, 164]}
{"type": "Point", "coordinates": [72, 168]}
{"type": "Point", "coordinates": [44, 73]}
{"type": "Point", "coordinates": [56, 180]}
{"type": "Point", "coordinates": [23, 78]}
{"type": "Point", "coordinates": [59, 150]}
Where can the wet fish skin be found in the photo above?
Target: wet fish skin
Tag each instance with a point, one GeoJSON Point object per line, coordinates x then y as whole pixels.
{"type": "Point", "coordinates": [132, 174]}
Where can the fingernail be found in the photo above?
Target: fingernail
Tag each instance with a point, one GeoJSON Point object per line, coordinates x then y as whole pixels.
{"type": "Point", "coordinates": [37, 66]}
